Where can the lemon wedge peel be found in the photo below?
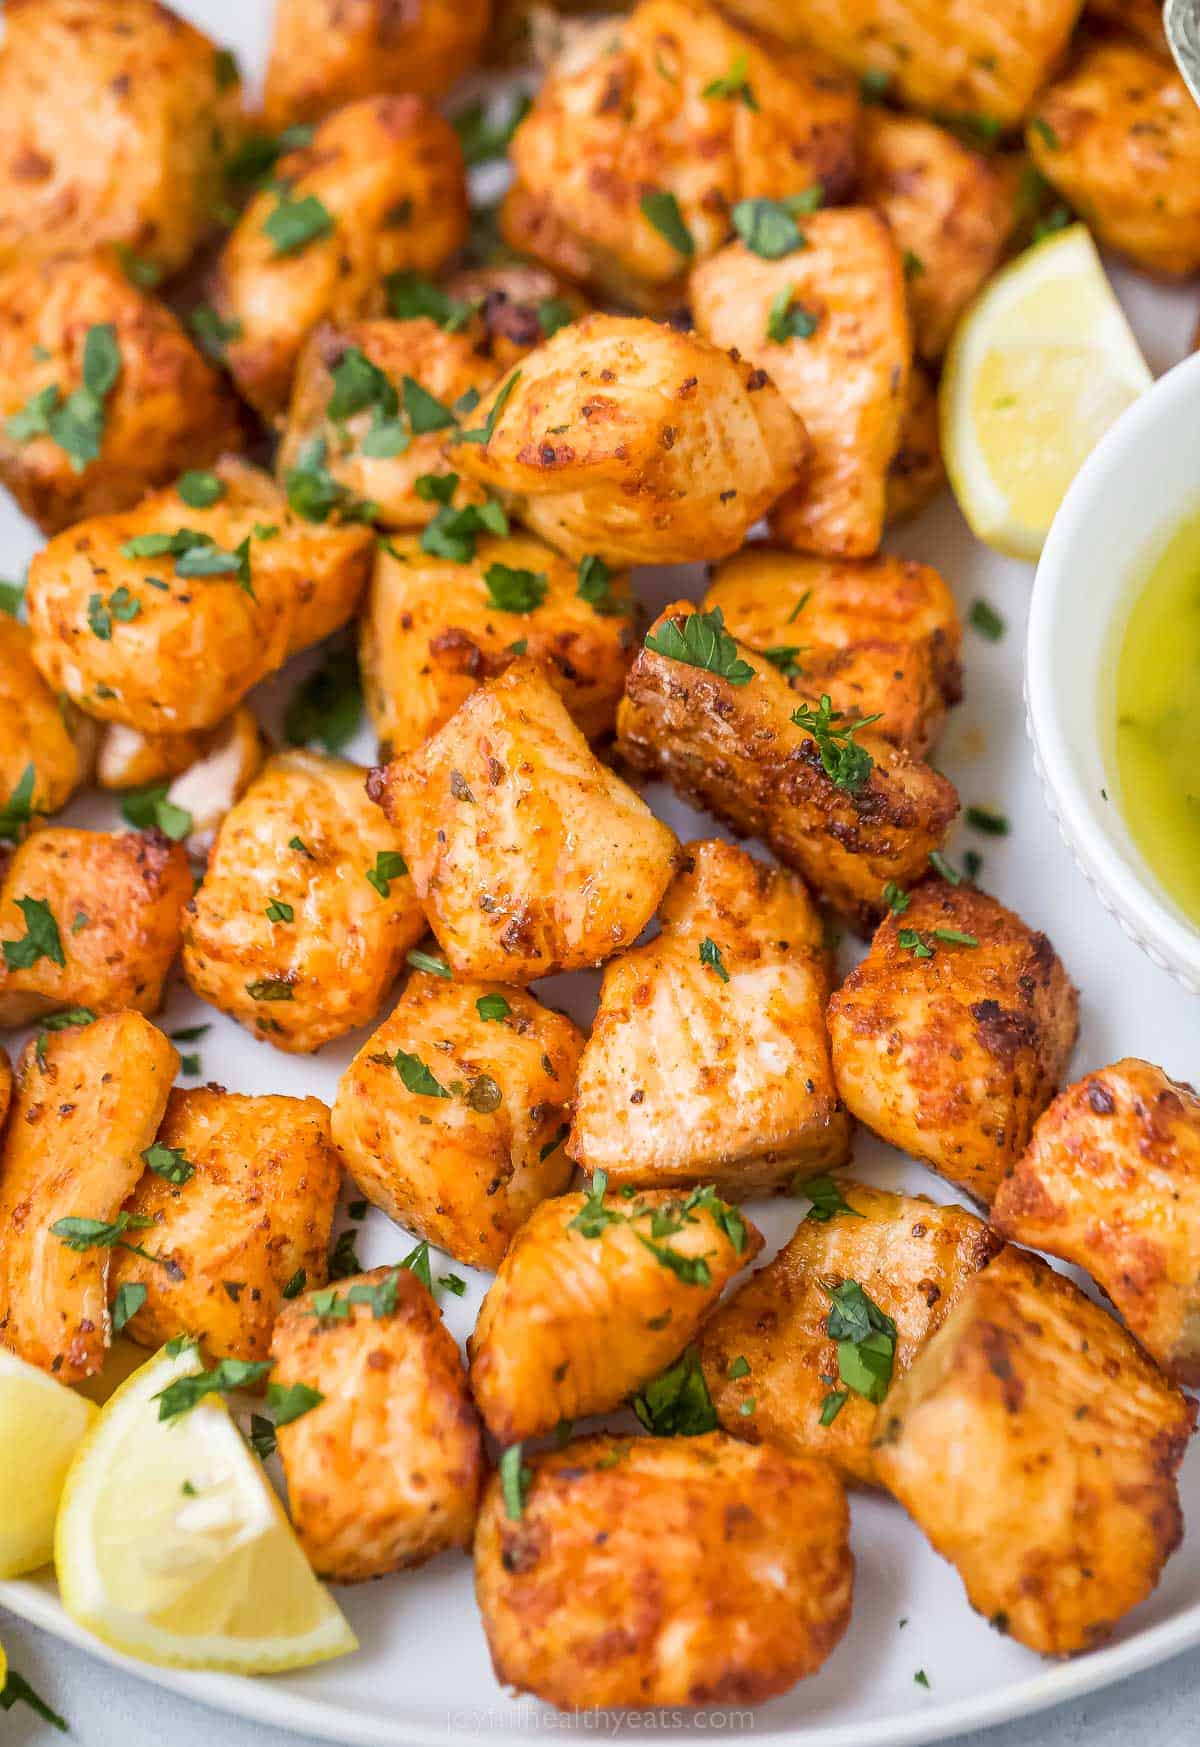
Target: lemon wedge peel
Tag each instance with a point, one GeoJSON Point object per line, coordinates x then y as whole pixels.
{"type": "Point", "coordinates": [172, 1547]}
{"type": "Point", "coordinates": [1040, 366]}
{"type": "Point", "coordinates": [42, 1423]}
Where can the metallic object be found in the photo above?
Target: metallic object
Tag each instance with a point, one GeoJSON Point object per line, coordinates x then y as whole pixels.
{"type": "Point", "coordinates": [1181, 21]}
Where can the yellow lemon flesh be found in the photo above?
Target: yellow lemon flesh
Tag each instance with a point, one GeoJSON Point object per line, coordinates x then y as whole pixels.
{"type": "Point", "coordinates": [1040, 366]}
{"type": "Point", "coordinates": [172, 1546]}
{"type": "Point", "coordinates": [41, 1425]}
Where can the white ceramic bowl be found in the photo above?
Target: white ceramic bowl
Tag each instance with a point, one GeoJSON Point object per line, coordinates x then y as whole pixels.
{"type": "Point", "coordinates": [1137, 486]}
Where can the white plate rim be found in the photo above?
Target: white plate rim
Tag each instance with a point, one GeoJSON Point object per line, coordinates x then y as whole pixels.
{"type": "Point", "coordinates": [259, 1700]}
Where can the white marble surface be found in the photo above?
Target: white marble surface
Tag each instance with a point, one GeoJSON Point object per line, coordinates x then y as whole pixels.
{"type": "Point", "coordinates": [106, 1708]}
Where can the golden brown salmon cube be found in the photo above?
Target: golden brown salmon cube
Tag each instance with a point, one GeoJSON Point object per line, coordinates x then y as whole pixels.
{"type": "Point", "coordinates": [46, 745]}
{"type": "Point", "coordinates": [89, 919]}
{"type": "Point", "coordinates": [743, 1550]}
{"type": "Point", "coordinates": [241, 1192]}
{"type": "Point", "coordinates": [328, 52]}
{"type": "Point", "coordinates": [1038, 1449]}
{"type": "Point", "coordinates": [982, 60]}
{"type": "Point", "coordinates": [769, 1359]}
{"type": "Point", "coordinates": [1111, 1180]}
{"type": "Point", "coordinates": [595, 1296]}
{"type": "Point", "coordinates": [88, 1102]}
{"type": "Point", "coordinates": [77, 323]}
{"type": "Point", "coordinates": [829, 324]}
{"type": "Point", "coordinates": [306, 911]}
{"type": "Point", "coordinates": [452, 1115]}
{"type": "Point", "coordinates": [116, 118]}
{"type": "Point", "coordinates": [950, 209]}
{"type": "Point", "coordinates": [380, 189]}
{"type": "Point", "coordinates": [917, 472]}
{"type": "Point", "coordinates": [386, 1469]}
{"type": "Point", "coordinates": [850, 819]}
{"type": "Point", "coordinates": [628, 440]}
{"type": "Point", "coordinates": [1119, 137]}
{"type": "Point", "coordinates": [435, 629]}
{"type": "Point", "coordinates": [880, 635]}
{"type": "Point", "coordinates": [529, 855]}
{"type": "Point", "coordinates": [708, 1060]}
{"type": "Point", "coordinates": [348, 397]}
{"type": "Point", "coordinates": [640, 144]}
{"type": "Point", "coordinates": [951, 1037]}
{"type": "Point", "coordinates": [164, 616]}
{"type": "Point", "coordinates": [518, 304]}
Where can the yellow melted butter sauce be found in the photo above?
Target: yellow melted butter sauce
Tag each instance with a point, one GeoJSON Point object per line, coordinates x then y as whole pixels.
{"type": "Point", "coordinates": [1158, 719]}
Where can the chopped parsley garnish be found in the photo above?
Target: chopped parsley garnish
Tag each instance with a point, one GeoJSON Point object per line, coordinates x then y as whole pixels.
{"type": "Point", "coordinates": [195, 554]}
{"type": "Point", "coordinates": [296, 1284]}
{"type": "Point", "coordinates": [213, 333]}
{"type": "Point", "coordinates": [417, 1262]}
{"type": "Point", "coordinates": [416, 1077]}
{"type": "Point", "coordinates": [292, 1401]}
{"type": "Point", "coordinates": [77, 423]}
{"type": "Point", "coordinates": [185, 1392]}
{"type": "Point", "coordinates": [874, 85]}
{"type": "Point", "coordinates": [99, 1234]}
{"type": "Point", "coordinates": [327, 706]}
{"type": "Point", "coordinates": [827, 1199]}
{"type": "Point", "coordinates": [848, 764]}
{"type": "Point", "coordinates": [783, 656]}
{"type": "Point", "coordinates": [554, 313]}
{"type": "Point", "coordinates": [768, 227]}
{"type": "Point", "coordinates": [908, 940]}
{"type": "Point", "coordinates": [733, 86]}
{"type": "Point", "coordinates": [296, 223]}
{"type": "Point", "coordinates": [593, 1216]}
{"type": "Point", "coordinates": [120, 605]}
{"type": "Point", "coordinates": [17, 811]}
{"type": "Point", "coordinates": [788, 320]}
{"type": "Point", "coordinates": [17, 1690]}
{"type": "Point", "coordinates": [454, 533]}
{"type": "Point", "coordinates": [270, 989]}
{"type": "Point", "coordinates": [691, 1270]}
{"type": "Point", "coordinates": [200, 489]}
{"type": "Point", "coordinates": [914, 266]}
{"type": "Point", "coordinates": [955, 937]}
{"type": "Point", "coordinates": [125, 1306]}
{"type": "Point", "coordinates": [739, 1367]}
{"type": "Point", "coordinates": [896, 898]}
{"type": "Point", "coordinates": [483, 433]}
{"type": "Point", "coordinates": [921, 1678]}
{"type": "Point", "coordinates": [169, 1162]}
{"type": "Point", "coordinates": [425, 961]}
{"type": "Point", "coordinates": [493, 1008]}
{"type": "Point", "coordinates": [40, 940]}
{"type": "Point", "coordinates": [710, 955]}
{"type": "Point", "coordinates": [594, 585]}
{"type": "Point", "coordinates": [259, 153]}
{"type": "Point", "coordinates": [485, 133]}
{"type": "Point", "coordinates": [677, 1404]}
{"type": "Point", "coordinates": [410, 296]}
{"type": "Point", "coordinates": [973, 862]}
{"type": "Point", "coordinates": [866, 1340]}
{"type": "Point", "coordinates": [261, 1438]}
{"type": "Point", "coordinates": [315, 495]}
{"type": "Point", "coordinates": [515, 1480]}
{"type": "Point", "coordinates": [661, 209]}
{"type": "Point", "coordinates": [946, 868]}
{"type": "Point", "coordinates": [986, 620]}
{"type": "Point", "coordinates": [983, 819]}
{"type": "Point", "coordinates": [515, 591]}
{"type": "Point", "coordinates": [343, 1261]}
{"type": "Point", "coordinates": [833, 1405]}
{"type": "Point", "coordinates": [453, 1283]}
{"type": "Point", "coordinates": [139, 271]}
{"type": "Point", "coordinates": [11, 596]}
{"type": "Point", "coordinates": [389, 865]}
{"type": "Point", "coordinates": [425, 413]}
{"type": "Point", "coordinates": [1045, 132]}
{"type": "Point", "coordinates": [278, 911]}
{"type": "Point", "coordinates": [148, 808]}
{"type": "Point", "coordinates": [701, 640]}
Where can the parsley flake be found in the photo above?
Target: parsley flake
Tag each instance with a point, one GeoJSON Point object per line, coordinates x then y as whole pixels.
{"type": "Point", "coordinates": [291, 1401]}
{"type": "Point", "coordinates": [515, 591]}
{"type": "Point", "coordinates": [710, 955]}
{"type": "Point", "coordinates": [169, 1162]}
{"type": "Point", "coordinates": [493, 1008]}
{"type": "Point", "coordinates": [701, 640]}
{"type": "Point", "coordinates": [515, 1481]}
{"type": "Point", "coordinates": [296, 223]}
{"type": "Point", "coordinates": [40, 940]}
{"type": "Point", "coordinates": [389, 865]}
{"type": "Point", "coordinates": [827, 1199]}
{"type": "Point", "coordinates": [416, 1077]}
{"type": "Point", "coordinates": [848, 764]}
{"type": "Point", "coordinates": [677, 1404]}
{"type": "Point", "coordinates": [733, 86]}
{"type": "Point", "coordinates": [788, 320]}
{"type": "Point", "coordinates": [661, 209]}
{"type": "Point", "coordinates": [228, 1374]}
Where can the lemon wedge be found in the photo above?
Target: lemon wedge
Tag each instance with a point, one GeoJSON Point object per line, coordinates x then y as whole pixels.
{"type": "Point", "coordinates": [172, 1547]}
{"type": "Point", "coordinates": [1041, 364]}
{"type": "Point", "coordinates": [41, 1425]}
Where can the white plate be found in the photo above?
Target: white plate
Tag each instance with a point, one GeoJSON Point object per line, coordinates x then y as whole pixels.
{"type": "Point", "coordinates": [423, 1670]}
